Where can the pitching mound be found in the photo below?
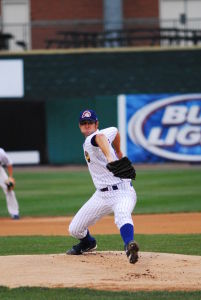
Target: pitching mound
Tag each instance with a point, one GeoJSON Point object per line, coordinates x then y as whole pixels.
{"type": "Point", "coordinates": [103, 271]}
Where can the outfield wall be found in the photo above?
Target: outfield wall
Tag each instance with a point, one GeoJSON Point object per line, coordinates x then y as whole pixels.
{"type": "Point", "coordinates": [64, 82]}
{"type": "Point", "coordinates": [63, 134]}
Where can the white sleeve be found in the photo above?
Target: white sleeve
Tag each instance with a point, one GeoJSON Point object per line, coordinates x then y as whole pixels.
{"type": "Point", "coordinates": [4, 158]}
{"type": "Point", "coordinates": [110, 133]}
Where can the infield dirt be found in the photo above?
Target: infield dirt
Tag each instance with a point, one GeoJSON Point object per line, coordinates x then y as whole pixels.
{"type": "Point", "coordinates": [182, 223]}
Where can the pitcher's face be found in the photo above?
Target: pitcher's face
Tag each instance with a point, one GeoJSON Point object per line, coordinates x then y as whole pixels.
{"type": "Point", "coordinates": [88, 127]}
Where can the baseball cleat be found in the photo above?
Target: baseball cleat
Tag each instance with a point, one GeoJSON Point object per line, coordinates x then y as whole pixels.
{"type": "Point", "coordinates": [15, 217]}
{"type": "Point", "coordinates": [132, 252]}
{"type": "Point", "coordinates": [82, 247]}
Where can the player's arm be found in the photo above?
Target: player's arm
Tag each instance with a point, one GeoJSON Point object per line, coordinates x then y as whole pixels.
{"type": "Point", "coordinates": [8, 164]}
{"type": "Point", "coordinates": [103, 144]}
{"type": "Point", "coordinates": [10, 170]}
{"type": "Point", "coordinates": [116, 145]}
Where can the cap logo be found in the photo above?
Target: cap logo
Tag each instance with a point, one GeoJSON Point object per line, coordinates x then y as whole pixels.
{"type": "Point", "coordinates": [86, 114]}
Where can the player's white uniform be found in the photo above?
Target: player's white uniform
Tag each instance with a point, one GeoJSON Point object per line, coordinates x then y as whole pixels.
{"type": "Point", "coordinates": [120, 197]}
{"type": "Point", "coordinates": [11, 200]}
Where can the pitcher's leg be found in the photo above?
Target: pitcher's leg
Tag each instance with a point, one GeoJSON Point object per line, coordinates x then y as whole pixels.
{"type": "Point", "coordinates": [123, 219]}
{"type": "Point", "coordinates": [123, 207]}
{"type": "Point", "coordinates": [88, 215]}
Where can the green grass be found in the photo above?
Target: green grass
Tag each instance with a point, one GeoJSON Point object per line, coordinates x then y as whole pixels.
{"type": "Point", "coordinates": [86, 294]}
{"type": "Point", "coordinates": [162, 191]}
{"type": "Point", "coordinates": [53, 193]}
{"type": "Point", "coordinates": [50, 193]}
{"type": "Point", "coordinates": [171, 243]}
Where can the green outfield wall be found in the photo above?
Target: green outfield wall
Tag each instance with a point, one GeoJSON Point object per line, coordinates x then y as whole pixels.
{"type": "Point", "coordinates": [63, 134]}
{"type": "Point", "coordinates": [68, 82]}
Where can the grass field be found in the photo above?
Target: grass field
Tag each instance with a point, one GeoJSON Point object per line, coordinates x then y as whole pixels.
{"type": "Point", "coordinates": [170, 243]}
{"type": "Point", "coordinates": [60, 192]}
{"type": "Point", "coordinates": [86, 294]}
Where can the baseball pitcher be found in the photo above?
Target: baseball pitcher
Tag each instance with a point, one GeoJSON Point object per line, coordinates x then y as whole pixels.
{"type": "Point", "coordinates": [7, 183]}
{"type": "Point", "coordinates": [111, 174]}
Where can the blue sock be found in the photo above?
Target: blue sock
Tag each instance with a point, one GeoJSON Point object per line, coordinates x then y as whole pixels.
{"type": "Point", "coordinates": [127, 233]}
{"type": "Point", "coordinates": [88, 237]}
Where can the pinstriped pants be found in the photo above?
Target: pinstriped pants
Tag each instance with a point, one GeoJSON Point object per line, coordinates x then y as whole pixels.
{"type": "Point", "coordinates": [121, 202]}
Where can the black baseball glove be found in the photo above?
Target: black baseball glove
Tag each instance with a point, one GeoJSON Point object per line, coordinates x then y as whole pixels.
{"type": "Point", "coordinates": [122, 168]}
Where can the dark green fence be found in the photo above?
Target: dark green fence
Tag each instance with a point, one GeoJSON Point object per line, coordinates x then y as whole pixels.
{"type": "Point", "coordinates": [63, 134]}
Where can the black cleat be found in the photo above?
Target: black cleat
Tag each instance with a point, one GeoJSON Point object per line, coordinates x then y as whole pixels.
{"type": "Point", "coordinates": [132, 252]}
{"type": "Point", "coordinates": [82, 247]}
{"type": "Point", "coordinates": [15, 217]}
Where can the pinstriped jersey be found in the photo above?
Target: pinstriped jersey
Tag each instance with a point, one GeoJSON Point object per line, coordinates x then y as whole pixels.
{"type": "Point", "coordinates": [97, 161]}
{"type": "Point", "coordinates": [4, 159]}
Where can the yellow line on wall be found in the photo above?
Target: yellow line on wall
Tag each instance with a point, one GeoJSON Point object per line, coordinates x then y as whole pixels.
{"type": "Point", "coordinates": [99, 50]}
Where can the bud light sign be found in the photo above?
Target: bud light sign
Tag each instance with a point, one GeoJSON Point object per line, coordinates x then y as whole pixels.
{"type": "Point", "coordinates": [163, 127]}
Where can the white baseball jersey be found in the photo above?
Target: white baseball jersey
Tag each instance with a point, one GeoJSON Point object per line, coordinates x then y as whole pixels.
{"type": "Point", "coordinates": [4, 158]}
{"type": "Point", "coordinates": [12, 204]}
{"type": "Point", "coordinates": [97, 161]}
{"type": "Point", "coordinates": [119, 198]}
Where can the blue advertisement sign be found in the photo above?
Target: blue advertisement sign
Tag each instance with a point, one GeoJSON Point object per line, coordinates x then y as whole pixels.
{"type": "Point", "coordinates": [162, 127]}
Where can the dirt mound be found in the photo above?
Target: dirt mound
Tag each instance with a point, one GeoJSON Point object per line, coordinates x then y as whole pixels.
{"type": "Point", "coordinates": [103, 271]}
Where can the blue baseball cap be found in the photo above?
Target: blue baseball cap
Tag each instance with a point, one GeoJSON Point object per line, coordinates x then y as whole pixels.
{"type": "Point", "coordinates": [88, 115]}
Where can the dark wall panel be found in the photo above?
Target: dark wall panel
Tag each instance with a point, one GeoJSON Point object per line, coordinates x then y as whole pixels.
{"type": "Point", "coordinates": [91, 74]}
{"type": "Point", "coordinates": [23, 126]}
{"type": "Point", "coordinates": [64, 137]}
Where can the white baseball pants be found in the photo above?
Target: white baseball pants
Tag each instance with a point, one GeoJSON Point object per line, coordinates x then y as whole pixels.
{"type": "Point", "coordinates": [12, 204]}
{"type": "Point", "coordinates": [121, 202]}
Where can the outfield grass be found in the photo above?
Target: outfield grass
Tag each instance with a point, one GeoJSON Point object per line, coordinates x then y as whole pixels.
{"type": "Point", "coordinates": [53, 193]}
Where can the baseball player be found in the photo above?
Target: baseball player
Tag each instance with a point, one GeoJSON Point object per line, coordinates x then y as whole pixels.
{"type": "Point", "coordinates": [113, 194]}
{"type": "Point", "coordinates": [7, 184]}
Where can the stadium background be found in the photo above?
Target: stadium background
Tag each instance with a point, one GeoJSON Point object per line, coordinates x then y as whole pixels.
{"type": "Point", "coordinates": [59, 85]}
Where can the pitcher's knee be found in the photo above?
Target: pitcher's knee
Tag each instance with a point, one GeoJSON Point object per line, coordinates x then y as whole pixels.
{"type": "Point", "coordinates": [123, 221]}
{"type": "Point", "coordinates": [73, 230]}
